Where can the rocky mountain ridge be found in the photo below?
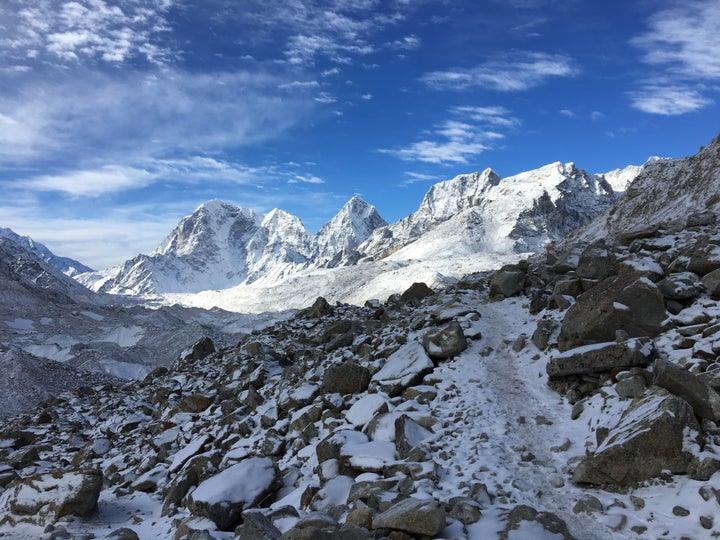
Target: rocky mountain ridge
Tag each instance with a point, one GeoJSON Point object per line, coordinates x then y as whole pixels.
{"type": "Point", "coordinates": [235, 247]}
{"type": "Point", "coordinates": [67, 266]}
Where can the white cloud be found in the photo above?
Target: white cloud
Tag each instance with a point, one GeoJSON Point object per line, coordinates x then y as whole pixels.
{"type": "Point", "coordinates": [681, 46]}
{"type": "Point", "coordinates": [668, 100]}
{"type": "Point", "coordinates": [91, 183]}
{"type": "Point", "coordinates": [597, 115]}
{"type": "Point", "coordinates": [467, 133]}
{"type": "Point", "coordinates": [73, 31]}
{"type": "Point", "coordinates": [510, 73]}
{"type": "Point", "coordinates": [306, 179]}
{"type": "Point", "coordinates": [567, 113]}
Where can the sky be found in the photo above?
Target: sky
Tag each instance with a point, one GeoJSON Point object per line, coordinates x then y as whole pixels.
{"type": "Point", "coordinates": [119, 117]}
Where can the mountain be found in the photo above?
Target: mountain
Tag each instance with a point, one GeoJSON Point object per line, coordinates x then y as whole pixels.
{"type": "Point", "coordinates": [67, 266]}
{"type": "Point", "coordinates": [340, 236]}
{"type": "Point", "coordinates": [664, 194]}
{"type": "Point", "coordinates": [222, 245]}
{"type": "Point", "coordinates": [483, 212]}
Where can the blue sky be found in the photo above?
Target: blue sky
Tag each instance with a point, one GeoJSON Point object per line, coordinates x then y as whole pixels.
{"type": "Point", "coordinates": [118, 117]}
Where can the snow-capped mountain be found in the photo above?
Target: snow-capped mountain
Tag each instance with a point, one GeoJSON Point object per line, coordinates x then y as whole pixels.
{"type": "Point", "coordinates": [222, 245]}
{"type": "Point", "coordinates": [67, 266]}
{"type": "Point", "coordinates": [353, 224]}
{"type": "Point", "coordinates": [483, 212]}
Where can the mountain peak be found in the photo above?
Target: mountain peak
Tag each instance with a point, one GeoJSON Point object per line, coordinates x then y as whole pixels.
{"type": "Point", "coordinates": [69, 267]}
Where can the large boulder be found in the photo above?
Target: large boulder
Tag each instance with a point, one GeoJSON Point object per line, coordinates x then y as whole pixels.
{"type": "Point", "coordinates": [636, 352]}
{"type": "Point", "coordinates": [680, 286]}
{"type": "Point", "coordinates": [416, 293]}
{"type": "Point", "coordinates": [445, 342]}
{"type": "Point", "coordinates": [405, 367]}
{"type": "Point", "coordinates": [704, 400]}
{"type": "Point", "coordinates": [415, 516]}
{"type": "Point", "coordinates": [597, 262]}
{"type": "Point", "coordinates": [346, 378]}
{"type": "Point", "coordinates": [46, 497]}
{"type": "Point", "coordinates": [651, 437]}
{"type": "Point", "coordinates": [636, 307]}
{"type": "Point", "coordinates": [223, 497]}
{"type": "Point", "coordinates": [508, 281]}
{"type": "Point", "coordinates": [711, 282]}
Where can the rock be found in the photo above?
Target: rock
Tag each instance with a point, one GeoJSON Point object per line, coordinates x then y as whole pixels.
{"type": "Point", "coordinates": [568, 287]}
{"type": "Point", "coordinates": [680, 511]}
{"type": "Point", "coordinates": [711, 282]}
{"type": "Point", "coordinates": [257, 526]}
{"type": "Point", "coordinates": [414, 516]}
{"type": "Point", "coordinates": [631, 387]}
{"type": "Point", "coordinates": [542, 334]}
{"type": "Point", "coordinates": [701, 219]}
{"type": "Point", "coordinates": [122, 534]}
{"type": "Point", "coordinates": [415, 294]}
{"type": "Point", "coordinates": [637, 233]}
{"type": "Point", "coordinates": [408, 435]}
{"type": "Point", "coordinates": [319, 309]}
{"type": "Point", "coordinates": [636, 307]}
{"type": "Point", "coordinates": [508, 281]}
{"type": "Point", "coordinates": [588, 504]}
{"type": "Point", "coordinates": [346, 378]}
{"type": "Point", "coordinates": [704, 259]}
{"type": "Point", "coordinates": [223, 497]}
{"type": "Point", "coordinates": [703, 467]}
{"type": "Point", "coordinates": [679, 286]}
{"type": "Point", "coordinates": [50, 496]}
{"type": "Point", "coordinates": [465, 509]}
{"type": "Point", "coordinates": [650, 438]}
{"type": "Point", "coordinates": [550, 522]}
{"type": "Point", "coordinates": [330, 446]}
{"type": "Point", "coordinates": [637, 352]}
{"type": "Point", "coordinates": [596, 262]}
{"type": "Point", "coordinates": [704, 400]}
{"type": "Point", "coordinates": [199, 350]}
{"type": "Point", "coordinates": [445, 342]}
{"type": "Point", "coordinates": [405, 367]}
{"type": "Point", "coordinates": [194, 403]}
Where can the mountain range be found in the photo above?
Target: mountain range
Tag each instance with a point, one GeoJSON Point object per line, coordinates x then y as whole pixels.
{"type": "Point", "coordinates": [221, 245]}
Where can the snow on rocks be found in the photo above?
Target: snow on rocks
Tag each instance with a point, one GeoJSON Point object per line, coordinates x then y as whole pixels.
{"type": "Point", "coordinates": [403, 368]}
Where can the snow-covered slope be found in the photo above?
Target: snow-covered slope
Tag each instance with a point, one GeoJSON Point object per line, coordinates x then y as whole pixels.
{"type": "Point", "coordinates": [69, 267]}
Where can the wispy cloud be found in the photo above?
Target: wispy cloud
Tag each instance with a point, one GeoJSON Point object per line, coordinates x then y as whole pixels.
{"type": "Point", "coordinates": [512, 72]}
{"type": "Point", "coordinates": [681, 46]}
{"type": "Point", "coordinates": [306, 179]}
{"type": "Point", "coordinates": [567, 113]}
{"type": "Point", "coordinates": [61, 31]}
{"type": "Point", "coordinates": [467, 133]}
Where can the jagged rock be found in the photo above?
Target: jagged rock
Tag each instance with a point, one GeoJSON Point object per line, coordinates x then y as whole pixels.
{"type": "Point", "coordinates": [49, 496]}
{"type": "Point", "coordinates": [704, 400]}
{"type": "Point", "coordinates": [568, 287]}
{"type": "Point", "coordinates": [704, 259]}
{"type": "Point", "coordinates": [711, 282]}
{"type": "Point", "coordinates": [650, 438]}
{"type": "Point", "coordinates": [405, 367]}
{"type": "Point", "coordinates": [597, 262]}
{"type": "Point", "coordinates": [542, 334]}
{"type": "Point", "coordinates": [346, 378]}
{"type": "Point", "coordinates": [199, 350]}
{"type": "Point", "coordinates": [195, 403]}
{"type": "Point", "coordinates": [318, 310]}
{"type": "Point", "coordinates": [415, 516]}
{"type": "Point", "coordinates": [123, 533]}
{"type": "Point", "coordinates": [679, 286]}
{"type": "Point", "coordinates": [415, 294]}
{"type": "Point", "coordinates": [550, 522]}
{"type": "Point", "coordinates": [223, 497]}
{"type": "Point", "coordinates": [257, 526]}
{"type": "Point", "coordinates": [508, 281]}
{"type": "Point", "coordinates": [465, 509]}
{"type": "Point", "coordinates": [637, 352]}
{"type": "Point", "coordinates": [409, 435]}
{"type": "Point", "coordinates": [636, 307]}
{"type": "Point", "coordinates": [631, 387]}
{"type": "Point", "coordinates": [330, 446]}
{"type": "Point", "coordinates": [445, 342]}
{"type": "Point", "coordinates": [7, 475]}
{"type": "Point", "coordinates": [701, 219]}
{"type": "Point", "coordinates": [703, 467]}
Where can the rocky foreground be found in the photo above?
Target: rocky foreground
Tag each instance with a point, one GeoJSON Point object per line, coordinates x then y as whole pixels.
{"type": "Point", "coordinates": [574, 396]}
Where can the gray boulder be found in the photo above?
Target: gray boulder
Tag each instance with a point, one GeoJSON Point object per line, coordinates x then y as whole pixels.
{"type": "Point", "coordinates": [704, 400]}
{"type": "Point", "coordinates": [508, 281]}
{"type": "Point", "coordinates": [257, 526]}
{"type": "Point", "coordinates": [637, 352]}
{"type": "Point", "coordinates": [46, 497]}
{"type": "Point", "coordinates": [409, 435]}
{"type": "Point", "coordinates": [549, 522]}
{"type": "Point", "coordinates": [679, 286]}
{"type": "Point", "coordinates": [650, 438]}
{"type": "Point", "coordinates": [415, 294]}
{"type": "Point", "coordinates": [636, 307]}
{"type": "Point", "coordinates": [445, 342]}
{"type": "Point", "coordinates": [704, 259]}
{"type": "Point", "coordinates": [414, 516]}
{"type": "Point", "coordinates": [597, 262]}
{"type": "Point", "coordinates": [711, 282]}
{"type": "Point", "coordinates": [346, 378]}
{"type": "Point", "coordinates": [405, 367]}
{"type": "Point", "coordinates": [701, 219]}
{"type": "Point", "coordinates": [223, 497]}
